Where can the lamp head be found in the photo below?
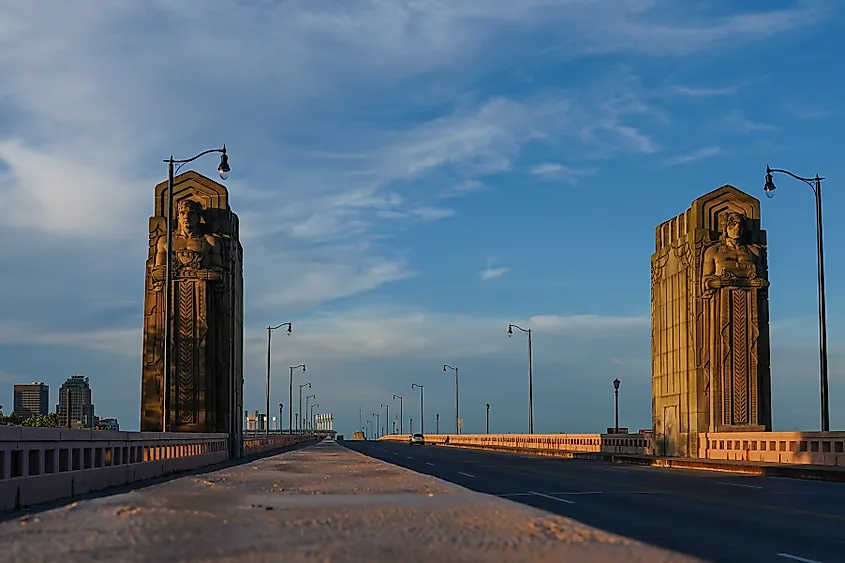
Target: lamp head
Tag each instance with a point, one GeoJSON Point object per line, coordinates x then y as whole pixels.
{"type": "Point", "coordinates": [616, 383]}
{"type": "Point", "coordinates": [303, 367]}
{"type": "Point", "coordinates": [488, 406]}
{"type": "Point", "coordinates": [224, 169]}
{"type": "Point", "coordinates": [769, 188]}
{"type": "Point", "coordinates": [510, 330]}
{"type": "Point", "coordinates": [444, 367]}
{"type": "Point", "coordinates": [290, 328]}
{"type": "Point", "coordinates": [280, 405]}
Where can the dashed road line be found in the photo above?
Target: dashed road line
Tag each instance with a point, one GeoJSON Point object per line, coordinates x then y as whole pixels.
{"type": "Point", "coordinates": [467, 474]}
{"type": "Point", "coordinates": [429, 463]}
{"type": "Point", "coordinates": [567, 501]}
{"type": "Point", "coordinates": [738, 485]}
{"type": "Point", "coordinates": [797, 558]}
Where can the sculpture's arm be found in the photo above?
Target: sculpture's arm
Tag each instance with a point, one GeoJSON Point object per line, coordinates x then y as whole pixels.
{"type": "Point", "coordinates": [161, 251]}
{"type": "Point", "coordinates": [708, 269]}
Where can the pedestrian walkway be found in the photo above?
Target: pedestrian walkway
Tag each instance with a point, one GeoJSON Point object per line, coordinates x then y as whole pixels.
{"type": "Point", "coordinates": [322, 503]}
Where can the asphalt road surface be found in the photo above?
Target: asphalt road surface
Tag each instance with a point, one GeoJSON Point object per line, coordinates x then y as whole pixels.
{"type": "Point", "coordinates": [720, 517]}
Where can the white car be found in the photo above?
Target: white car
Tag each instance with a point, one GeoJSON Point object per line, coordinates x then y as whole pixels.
{"type": "Point", "coordinates": [417, 440]}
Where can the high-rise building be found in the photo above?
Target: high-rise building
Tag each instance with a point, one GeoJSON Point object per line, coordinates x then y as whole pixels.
{"type": "Point", "coordinates": [75, 406]}
{"type": "Point", "coordinates": [324, 421]}
{"type": "Point", "coordinates": [31, 399]}
{"type": "Point", "coordinates": [108, 424]}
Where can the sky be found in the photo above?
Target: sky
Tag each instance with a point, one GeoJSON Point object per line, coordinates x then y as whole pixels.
{"type": "Point", "coordinates": [411, 176]}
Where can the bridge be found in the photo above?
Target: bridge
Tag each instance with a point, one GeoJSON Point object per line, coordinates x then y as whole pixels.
{"type": "Point", "coordinates": [710, 481]}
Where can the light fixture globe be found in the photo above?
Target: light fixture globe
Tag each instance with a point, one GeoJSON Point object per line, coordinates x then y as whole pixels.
{"type": "Point", "coordinates": [224, 169]}
{"type": "Point", "coordinates": [770, 187]}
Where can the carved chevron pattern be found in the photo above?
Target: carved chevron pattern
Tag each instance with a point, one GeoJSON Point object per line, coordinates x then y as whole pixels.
{"type": "Point", "coordinates": [186, 352]}
{"type": "Point", "coordinates": [740, 356]}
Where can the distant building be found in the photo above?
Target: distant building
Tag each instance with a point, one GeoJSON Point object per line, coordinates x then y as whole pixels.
{"type": "Point", "coordinates": [108, 424]}
{"type": "Point", "coordinates": [75, 407]}
{"type": "Point", "coordinates": [31, 399]}
{"type": "Point", "coordinates": [324, 421]}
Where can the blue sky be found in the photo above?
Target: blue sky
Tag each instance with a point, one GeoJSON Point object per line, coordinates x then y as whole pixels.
{"type": "Point", "coordinates": [410, 177]}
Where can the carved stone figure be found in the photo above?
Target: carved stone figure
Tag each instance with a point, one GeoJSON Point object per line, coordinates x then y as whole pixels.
{"type": "Point", "coordinates": [192, 250]}
{"type": "Point", "coordinates": [206, 387]}
{"type": "Point", "coordinates": [710, 333]}
{"type": "Point", "coordinates": [732, 262]}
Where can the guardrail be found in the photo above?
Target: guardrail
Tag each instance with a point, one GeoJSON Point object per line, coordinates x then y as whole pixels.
{"type": "Point", "coordinates": [44, 464]}
{"type": "Point", "coordinates": [601, 443]}
{"type": "Point", "coordinates": [812, 448]}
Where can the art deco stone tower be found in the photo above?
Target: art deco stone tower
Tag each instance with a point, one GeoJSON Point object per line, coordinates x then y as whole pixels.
{"type": "Point", "coordinates": [710, 322]}
{"type": "Point", "coordinates": [206, 391]}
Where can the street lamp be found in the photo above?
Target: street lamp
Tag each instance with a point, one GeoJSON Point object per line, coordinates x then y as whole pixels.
{"type": "Point", "coordinates": [457, 412]}
{"type": "Point", "coordinates": [437, 423]}
{"type": "Point", "coordinates": [422, 410]}
{"type": "Point", "coordinates": [281, 418]}
{"type": "Point", "coordinates": [301, 417]}
{"type": "Point", "coordinates": [386, 414]}
{"type": "Point", "coordinates": [530, 375]}
{"type": "Point", "coordinates": [488, 418]}
{"type": "Point", "coordinates": [270, 330]}
{"type": "Point", "coordinates": [616, 394]}
{"type": "Point", "coordinates": [401, 421]}
{"type": "Point", "coordinates": [224, 170]}
{"type": "Point", "coordinates": [307, 397]}
{"type": "Point", "coordinates": [816, 185]}
{"type": "Point", "coordinates": [290, 397]}
{"type": "Point", "coordinates": [378, 421]}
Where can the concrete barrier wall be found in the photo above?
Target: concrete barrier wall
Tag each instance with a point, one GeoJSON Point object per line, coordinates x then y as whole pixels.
{"type": "Point", "coordinates": [260, 444]}
{"type": "Point", "coordinates": [606, 443]}
{"type": "Point", "coordinates": [814, 448]}
{"type": "Point", "coordinates": [44, 464]}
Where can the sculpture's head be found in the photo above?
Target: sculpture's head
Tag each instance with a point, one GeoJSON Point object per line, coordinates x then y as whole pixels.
{"type": "Point", "coordinates": [189, 216]}
{"type": "Point", "coordinates": [734, 226]}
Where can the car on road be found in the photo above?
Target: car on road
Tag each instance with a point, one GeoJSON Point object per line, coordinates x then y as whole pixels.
{"type": "Point", "coordinates": [417, 440]}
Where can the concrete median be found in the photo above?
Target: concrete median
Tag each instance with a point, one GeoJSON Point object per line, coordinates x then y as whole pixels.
{"type": "Point", "coordinates": [319, 503]}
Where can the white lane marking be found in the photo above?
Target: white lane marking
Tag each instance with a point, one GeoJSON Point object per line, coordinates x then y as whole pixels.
{"type": "Point", "coordinates": [580, 493]}
{"type": "Point", "coordinates": [515, 495]}
{"type": "Point", "coordinates": [796, 558]}
{"type": "Point", "coordinates": [429, 463]}
{"type": "Point", "coordinates": [553, 498]}
{"type": "Point", "coordinates": [738, 485]}
{"type": "Point", "coordinates": [616, 470]}
{"type": "Point", "coordinates": [409, 457]}
{"type": "Point", "coordinates": [467, 474]}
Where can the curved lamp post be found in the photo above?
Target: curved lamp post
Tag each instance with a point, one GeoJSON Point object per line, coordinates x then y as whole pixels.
{"type": "Point", "coordinates": [311, 417]}
{"type": "Point", "coordinates": [422, 408]}
{"type": "Point", "coordinates": [386, 416]}
{"type": "Point", "coordinates": [530, 375]}
{"type": "Point", "coordinates": [815, 185]}
{"type": "Point", "coordinates": [290, 398]}
{"type": "Point", "coordinates": [281, 418]}
{"type": "Point", "coordinates": [224, 170]}
{"type": "Point", "coordinates": [401, 421]}
{"type": "Point", "coordinates": [270, 330]}
{"type": "Point", "coordinates": [488, 417]}
{"type": "Point", "coordinates": [457, 411]}
{"type": "Point", "coordinates": [307, 398]}
{"type": "Point", "coordinates": [301, 421]}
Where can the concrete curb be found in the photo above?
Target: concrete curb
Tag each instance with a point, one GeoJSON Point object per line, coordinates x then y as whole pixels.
{"type": "Point", "coordinates": [814, 472]}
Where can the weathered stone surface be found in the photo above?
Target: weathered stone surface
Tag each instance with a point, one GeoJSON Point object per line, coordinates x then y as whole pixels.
{"type": "Point", "coordinates": [206, 389]}
{"type": "Point", "coordinates": [710, 322]}
{"type": "Point", "coordinates": [324, 503]}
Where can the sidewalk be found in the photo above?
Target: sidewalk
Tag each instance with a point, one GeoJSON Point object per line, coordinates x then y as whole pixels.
{"type": "Point", "coordinates": [323, 503]}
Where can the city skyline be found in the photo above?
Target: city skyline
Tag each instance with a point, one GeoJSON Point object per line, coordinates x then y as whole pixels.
{"type": "Point", "coordinates": [407, 191]}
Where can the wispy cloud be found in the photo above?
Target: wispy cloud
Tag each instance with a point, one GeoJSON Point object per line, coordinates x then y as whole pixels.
{"type": "Point", "coordinates": [737, 121]}
{"type": "Point", "coordinates": [694, 92]}
{"type": "Point", "coordinates": [557, 170]}
{"type": "Point", "coordinates": [698, 154]}
{"type": "Point", "coordinates": [491, 272]}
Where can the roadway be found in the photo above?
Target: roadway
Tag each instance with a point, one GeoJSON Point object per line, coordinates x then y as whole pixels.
{"type": "Point", "coordinates": [720, 517]}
